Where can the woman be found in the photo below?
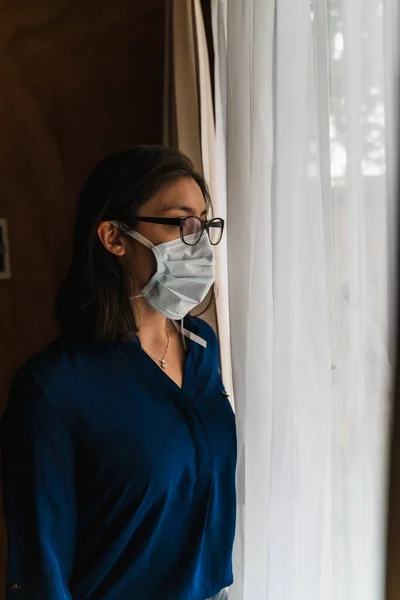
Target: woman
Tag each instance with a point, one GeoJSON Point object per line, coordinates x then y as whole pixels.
{"type": "Point", "coordinates": [118, 443]}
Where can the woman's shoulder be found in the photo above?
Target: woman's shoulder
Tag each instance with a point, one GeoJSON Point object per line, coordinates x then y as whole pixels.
{"type": "Point", "coordinates": [53, 365]}
{"type": "Point", "coordinates": [203, 329]}
{"type": "Point", "coordinates": [42, 389]}
{"type": "Point", "coordinates": [199, 325]}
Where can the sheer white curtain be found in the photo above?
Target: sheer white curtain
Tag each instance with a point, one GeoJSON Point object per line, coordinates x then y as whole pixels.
{"type": "Point", "coordinates": [303, 92]}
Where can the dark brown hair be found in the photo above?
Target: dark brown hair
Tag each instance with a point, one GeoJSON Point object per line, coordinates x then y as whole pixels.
{"type": "Point", "coordinates": [94, 298]}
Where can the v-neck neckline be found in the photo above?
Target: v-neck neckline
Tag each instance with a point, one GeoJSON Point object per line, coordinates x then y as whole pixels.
{"type": "Point", "coordinates": [162, 376]}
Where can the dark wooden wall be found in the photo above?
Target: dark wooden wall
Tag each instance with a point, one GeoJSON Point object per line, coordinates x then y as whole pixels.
{"type": "Point", "coordinates": [78, 80]}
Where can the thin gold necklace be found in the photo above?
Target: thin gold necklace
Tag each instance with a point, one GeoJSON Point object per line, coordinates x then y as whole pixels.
{"type": "Point", "coordinates": [162, 362]}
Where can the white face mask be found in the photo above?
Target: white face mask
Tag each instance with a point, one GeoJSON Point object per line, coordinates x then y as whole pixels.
{"type": "Point", "coordinates": [183, 278]}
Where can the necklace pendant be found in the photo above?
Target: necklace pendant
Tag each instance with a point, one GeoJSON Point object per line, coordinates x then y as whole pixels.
{"type": "Point", "coordinates": [163, 364]}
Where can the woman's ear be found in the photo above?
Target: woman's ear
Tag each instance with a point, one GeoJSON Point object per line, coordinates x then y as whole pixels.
{"type": "Point", "coordinates": [112, 238]}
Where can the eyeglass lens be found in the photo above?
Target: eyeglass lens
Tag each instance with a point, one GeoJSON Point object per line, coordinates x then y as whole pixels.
{"type": "Point", "coordinates": [193, 229]}
{"type": "Point", "coordinates": [215, 230]}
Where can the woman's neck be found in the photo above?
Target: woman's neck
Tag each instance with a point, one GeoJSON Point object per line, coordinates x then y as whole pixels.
{"type": "Point", "coordinates": [152, 325]}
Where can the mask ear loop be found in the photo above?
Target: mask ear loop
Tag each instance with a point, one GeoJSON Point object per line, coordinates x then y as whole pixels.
{"type": "Point", "coordinates": [136, 236]}
{"type": "Point", "coordinates": [133, 234]}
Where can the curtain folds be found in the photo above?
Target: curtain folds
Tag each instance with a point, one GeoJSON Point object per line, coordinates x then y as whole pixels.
{"type": "Point", "coordinates": [189, 125]}
{"type": "Point", "coordinates": [304, 101]}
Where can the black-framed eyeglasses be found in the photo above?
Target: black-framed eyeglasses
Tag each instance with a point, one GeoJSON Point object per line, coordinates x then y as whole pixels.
{"type": "Point", "coordinates": [192, 228]}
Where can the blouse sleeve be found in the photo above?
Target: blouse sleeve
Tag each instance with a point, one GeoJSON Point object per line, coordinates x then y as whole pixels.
{"type": "Point", "coordinates": [38, 474]}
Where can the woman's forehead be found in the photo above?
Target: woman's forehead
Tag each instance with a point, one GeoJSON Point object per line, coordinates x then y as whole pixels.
{"type": "Point", "coordinates": [183, 194]}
